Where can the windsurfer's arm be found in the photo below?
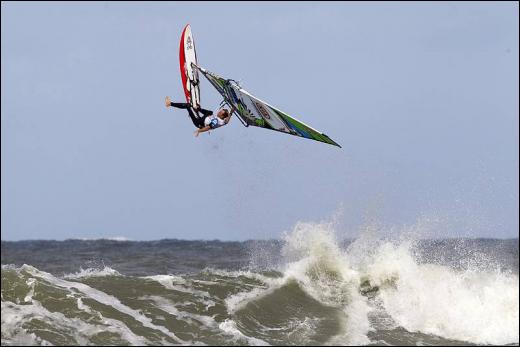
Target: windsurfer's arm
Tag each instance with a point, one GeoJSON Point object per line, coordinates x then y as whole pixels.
{"type": "Point", "coordinates": [202, 130]}
{"type": "Point", "coordinates": [228, 118]}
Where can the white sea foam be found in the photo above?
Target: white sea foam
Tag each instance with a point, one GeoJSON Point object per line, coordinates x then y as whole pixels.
{"type": "Point", "coordinates": [168, 281]}
{"type": "Point", "coordinates": [30, 282]}
{"type": "Point", "coordinates": [114, 325]}
{"type": "Point", "coordinates": [179, 284]}
{"type": "Point", "coordinates": [301, 330]}
{"type": "Point", "coordinates": [109, 238]}
{"type": "Point", "coordinates": [118, 238]}
{"type": "Point", "coordinates": [238, 273]}
{"type": "Point", "coordinates": [240, 300]}
{"type": "Point", "coordinates": [229, 327]}
{"type": "Point", "coordinates": [13, 318]}
{"type": "Point", "coordinates": [169, 307]}
{"type": "Point", "coordinates": [93, 272]}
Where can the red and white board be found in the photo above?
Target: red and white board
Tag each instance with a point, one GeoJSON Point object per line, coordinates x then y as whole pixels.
{"type": "Point", "coordinates": [189, 74]}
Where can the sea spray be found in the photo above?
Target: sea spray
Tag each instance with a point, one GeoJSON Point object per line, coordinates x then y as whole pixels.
{"type": "Point", "coordinates": [473, 306]}
{"type": "Point", "coordinates": [467, 302]}
{"type": "Point", "coordinates": [317, 262]}
{"type": "Point", "coordinates": [467, 298]}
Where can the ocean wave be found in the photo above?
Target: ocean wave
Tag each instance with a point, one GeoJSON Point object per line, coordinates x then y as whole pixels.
{"type": "Point", "coordinates": [317, 292]}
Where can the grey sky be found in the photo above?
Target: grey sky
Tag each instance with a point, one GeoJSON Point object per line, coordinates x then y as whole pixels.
{"type": "Point", "coordinates": [423, 97]}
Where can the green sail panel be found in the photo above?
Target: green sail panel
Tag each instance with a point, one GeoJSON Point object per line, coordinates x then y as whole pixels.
{"type": "Point", "coordinates": [256, 112]}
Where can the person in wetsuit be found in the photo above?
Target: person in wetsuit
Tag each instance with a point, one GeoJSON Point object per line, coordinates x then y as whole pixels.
{"type": "Point", "coordinates": [203, 119]}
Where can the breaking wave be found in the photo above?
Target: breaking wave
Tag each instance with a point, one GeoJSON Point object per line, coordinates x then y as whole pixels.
{"type": "Point", "coordinates": [371, 291]}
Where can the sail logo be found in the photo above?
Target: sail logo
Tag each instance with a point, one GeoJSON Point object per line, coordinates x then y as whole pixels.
{"type": "Point", "coordinates": [261, 109]}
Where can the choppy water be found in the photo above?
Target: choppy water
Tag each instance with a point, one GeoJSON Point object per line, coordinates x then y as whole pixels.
{"type": "Point", "coordinates": [303, 290]}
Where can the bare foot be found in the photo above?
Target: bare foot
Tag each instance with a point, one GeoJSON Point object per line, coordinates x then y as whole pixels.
{"type": "Point", "coordinates": [167, 101]}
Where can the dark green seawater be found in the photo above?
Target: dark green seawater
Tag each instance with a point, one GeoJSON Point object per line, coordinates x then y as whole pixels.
{"type": "Point", "coordinates": [308, 289]}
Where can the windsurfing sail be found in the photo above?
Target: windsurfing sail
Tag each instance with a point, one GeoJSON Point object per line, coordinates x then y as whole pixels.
{"type": "Point", "coordinates": [255, 112]}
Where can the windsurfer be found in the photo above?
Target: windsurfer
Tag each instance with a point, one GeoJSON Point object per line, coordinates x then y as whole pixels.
{"type": "Point", "coordinates": [203, 119]}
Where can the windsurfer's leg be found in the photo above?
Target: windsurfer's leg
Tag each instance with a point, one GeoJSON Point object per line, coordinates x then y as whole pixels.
{"type": "Point", "coordinates": [197, 121]}
{"type": "Point", "coordinates": [168, 102]}
{"type": "Point", "coordinates": [182, 105]}
{"type": "Point", "coordinates": [205, 112]}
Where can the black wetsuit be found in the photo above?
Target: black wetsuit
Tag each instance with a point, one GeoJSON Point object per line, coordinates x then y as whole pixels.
{"type": "Point", "coordinates": [197, 120]}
